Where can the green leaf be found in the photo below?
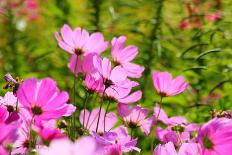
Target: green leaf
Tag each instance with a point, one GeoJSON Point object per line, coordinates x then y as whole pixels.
{"type": "Point", "coordinates": [207, 52]}
{"type": "Point", "coordinates": [195, 68]}
{"type": "Point", "coordinates": [191, 48]}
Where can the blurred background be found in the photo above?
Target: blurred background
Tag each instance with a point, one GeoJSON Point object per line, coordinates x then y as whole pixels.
{"type": "Point", "coordinates": [192, 38]}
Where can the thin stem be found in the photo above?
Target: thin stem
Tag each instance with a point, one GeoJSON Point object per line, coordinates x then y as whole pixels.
{"type": "Point", "coordinates": [86, 99]}
{"type": "Point", "coordinates": [107, 108]}
{"type": "Point", "coordinates": [96, 14]}
{"type": "Point", "coordinates": [73, 122]}
{"type": "Point", "coordinates": [99, 114]}
{"type": "Point", "coordinates": [160, 103]}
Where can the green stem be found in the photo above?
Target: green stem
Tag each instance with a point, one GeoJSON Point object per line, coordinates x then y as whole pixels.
{"type": "Point", "coordinates": [107, 108]}
{"type": "Point", "coordinates": [96, 15]}
{"type": "Point", "coordinates": [73, 121]}
{"type": "Point", "coordinates": [86, 99]}
{"type": "Point", "coordinates": [99, 114]}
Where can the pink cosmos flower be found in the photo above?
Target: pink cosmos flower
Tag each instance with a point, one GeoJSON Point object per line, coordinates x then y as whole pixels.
{"type": "Point", "coordinates": [6, 116]}
{"type": "Point", "coordinates": [43, 99]}
{"type": "Point", "coordinates": [166, 86]}
{"type": "Point", "coordinates": [118, 136]}
{"type": "Point", "coordinates": [79, 42]}
{"type": "Point", "coordinates": [83, 146]}
{"type": "Point", "coordinates": [215, 137]}
{"type": "Point", "coordinates": [110, 76]}
{"type": "Point", "coordinates": [21, 145]}
{"type": "Point", "coordinates": [89, 122]}
{"type": "Point", "coordinates": [123, 55]}
{"type": "Point", "coordinates": [135, 117]}
{"type": "Point", "coordinates": [9, 100]}
{"type": "Point", "coordinates": [117, 86]}
{"type": "Point", "coordinates": [178, 129]}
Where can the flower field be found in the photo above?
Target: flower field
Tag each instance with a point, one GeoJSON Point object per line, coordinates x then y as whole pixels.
{"type": "Point", "coordinates": [115, 77]}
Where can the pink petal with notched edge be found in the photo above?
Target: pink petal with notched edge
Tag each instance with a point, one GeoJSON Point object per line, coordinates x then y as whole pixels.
{"type": "Point", "coordinates": [83, 40]}
{"type": "Point", "coordinates": [117, 92]}
{"type": "Point", "coordinates": [77, 34]}
{"type": "Point", "coordinates": [97, 40]}
{"type": "Point", "coordinates": [134, 97]}
{"type": "Point", "coordinates": [118, 74]}
{"type": "Point", "coordinates": [177, 86]}
{"type": "Point", "coordinates": [123, 55]}
{"type": "Point", "coordinates": [145, 126]}
{"type": "Point", "coordinates": [133, 70]}
{"type": "Point", "coordinates": [127, 84]}
{"type": "Point", "coordinates": [128, 54]}
{"type": "Point", "coordinates": [63, 45]}
{"type": "Point", "coordinates": [106, 68]}
{"type": "Point", "coordinates": [70, 109]}
{"type": "Point", "coordinates": [117, 46]}
{"type": "Point", "coordinates": [97, 62]}
{"type": "Point", "coordinates": [163, 80]}
{"type": "Point", "coordinates": [137, 114]}
{"type": "Point", "coordinates": [26, 95]}
{"type": "Point", "coordinates": [87, 64]}
{"type": "Point", "coordinates": [67, 35]}
{"type": "Point", "coordinates": [46, 89]}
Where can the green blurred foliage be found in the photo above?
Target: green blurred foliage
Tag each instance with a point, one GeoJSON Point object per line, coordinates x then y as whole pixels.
{"type": "Point", "coordinates": [203, 56]}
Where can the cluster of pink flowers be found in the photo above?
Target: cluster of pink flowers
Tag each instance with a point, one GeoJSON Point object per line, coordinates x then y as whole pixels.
{"type": "Point", "coordinates": [209, 10]}
{"type": "Point", "coordinates": [20, 8]}
{"type": "Point", "coordinates": [31, 116]}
